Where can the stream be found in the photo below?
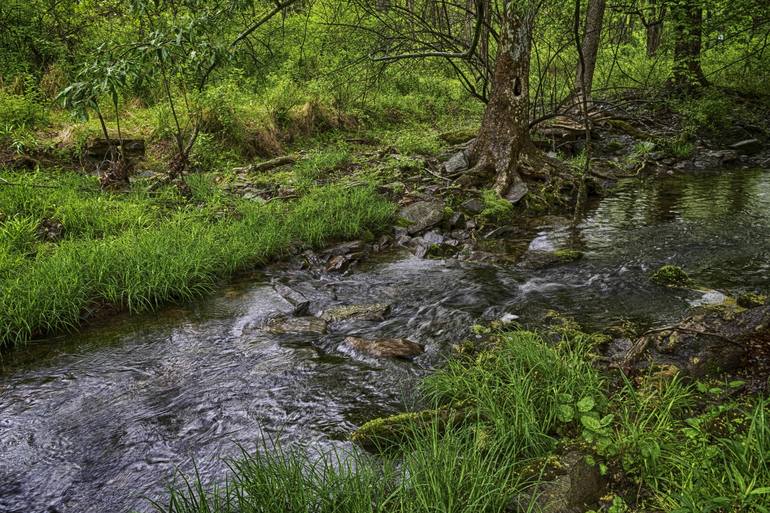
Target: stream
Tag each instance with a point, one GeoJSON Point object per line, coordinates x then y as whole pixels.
{"type": "Point", "coordinates": [99, 421]}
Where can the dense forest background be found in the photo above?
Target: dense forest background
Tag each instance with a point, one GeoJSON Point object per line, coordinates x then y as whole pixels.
{"type": "Point", "coordinates": [228, 80]}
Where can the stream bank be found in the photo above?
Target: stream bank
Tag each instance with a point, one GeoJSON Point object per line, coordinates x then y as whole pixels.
{"type": "Point", "coordinates": [98, 420]}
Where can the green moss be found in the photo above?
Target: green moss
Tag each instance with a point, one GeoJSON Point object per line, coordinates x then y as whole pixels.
{"type": "Point", "coordinates": [495, 208]}
{"type": "Point", "coordinates": [386, 433]}
{"type": "Point", "coordinates": [671, 276]}
{"type": "Point", "coordinates": [459, 136]}
{"type": "Point", "coordinates": [751, 300]}
{"type": "Point", "coordinates": [568, 255]}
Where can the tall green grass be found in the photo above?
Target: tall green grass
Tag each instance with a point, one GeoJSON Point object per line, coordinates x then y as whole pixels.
{"type": "Point", "coordinates": [137, 253]}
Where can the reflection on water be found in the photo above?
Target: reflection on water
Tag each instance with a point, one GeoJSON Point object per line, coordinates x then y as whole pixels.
{"type": "Point", "coordinates": [97, 421]}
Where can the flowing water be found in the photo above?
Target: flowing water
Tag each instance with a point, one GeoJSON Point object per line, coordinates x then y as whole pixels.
{"type": "Point", "coordinates": [98, 421]}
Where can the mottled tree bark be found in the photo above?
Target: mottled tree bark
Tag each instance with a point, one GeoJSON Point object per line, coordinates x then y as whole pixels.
{"type": "Point", "coordinates": [654, 36]}
{"type": "Point", "coordinates": [688, 20]}
{"type": "Point", "coordinates": [652, 17]}
{"type": "Point", "coordinates": [590, 49]}
{"type": "Point", "coordinates": [504, 133]}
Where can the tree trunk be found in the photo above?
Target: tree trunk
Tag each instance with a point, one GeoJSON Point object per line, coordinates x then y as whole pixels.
{"type": "Point", "coordinates": [652, 17]}
{"type": "Point", "coordinates": [654, 36]}
{"type": "Point", "coordinates": [504, 133]}
{"type": "Point", "coordinates": [688, 20]}
{"type": "Point", "coordinates": [590, 49]}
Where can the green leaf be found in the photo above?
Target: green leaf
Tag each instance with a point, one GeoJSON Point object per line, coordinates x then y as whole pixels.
{"type": "Point", "coordinates": [586, 404]}
{"type": "Point", "coordinates": [591, 423]}
{"type": "Point", "coordinates": [566, 413]}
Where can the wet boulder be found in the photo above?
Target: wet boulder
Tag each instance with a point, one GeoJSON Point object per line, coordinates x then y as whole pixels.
{"type": "Point", "coordinates": [570, 484]}
{"type": "Point", "coordinates": [296, 325]}
{"type": "Point", "coordinates": [372, 312]}
{"type": "Point", "coordinates": [421, 215]}
{"type": "Point", "coordinates": [434, 245]}
{"type": "Point", "coordinates": [712, 159]}
{"type": "Point", "coordinates": [385, 347]}
{"type": "Point", "coordinates": [472, 206]}
{"type": "Point", "coordinates": [709, 342]}
{"type": "Point", "coordinates": [296, 299]}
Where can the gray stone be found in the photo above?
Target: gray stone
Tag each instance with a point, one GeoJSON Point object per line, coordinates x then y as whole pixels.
{"type": "Point", "coordinates": [421, 251]}
{"type": "Point", "coordinates": [570, 485]}
{"type": "Point", "coordinates": [294, 298]}
{"type": "Point", "coordinates": [346, 248]}
{"type": "Point", "coordinates": [373, 312]}
{"type": "Point", "coordinates": [473, 206]}
{"type": "Point", "coordinates": [457, 164]}
{"type": "Point", "coordinates": [500, 231]}
{"type": "Point", "coordinates": [422, 215]}
{"type": "Point", "coordinates": [460, 235]}
{"type": "Point", "coordinates": [385, 348]}
{"type": "Point", "coordinates": [748, 147]}
{"type": "Point", "coordinates": [517, 190]}
{"type": "Point", "coordinates": [457, 219]}
{"type": "Point", "coordinates": [403, 240]}
{"type": "Point", "coordinates": [710, 159]}
{"type": "Point", "coordinates": [433, 238]}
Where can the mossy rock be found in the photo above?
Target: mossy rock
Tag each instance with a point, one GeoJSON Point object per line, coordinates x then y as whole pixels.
{"type": "Point", "coordinates": [751, 300]}
{"type": "Point", "coordinates": [671, 276]}
{"type": "Point", "coordinates": [459, 136]}
{"type": "Point", "coordinates": [568, 255]}
{"type": "Point", "coordinates": [387, 433]}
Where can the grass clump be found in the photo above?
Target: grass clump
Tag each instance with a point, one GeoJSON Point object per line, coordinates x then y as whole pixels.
{"type": "Point", "coordinates": [137, 252]}
{"type": "Point", "coordinates": [321, 162]}
{"type": "Point", "coordinates": [671, 276]}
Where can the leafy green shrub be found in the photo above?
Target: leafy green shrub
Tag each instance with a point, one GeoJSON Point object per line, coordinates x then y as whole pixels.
{"type": "Point", "coordinates": [710, 113]}
{"type": "Point", "coordinates": [221, 115]}
{"type": "Point", "coordinates": [18, 111]}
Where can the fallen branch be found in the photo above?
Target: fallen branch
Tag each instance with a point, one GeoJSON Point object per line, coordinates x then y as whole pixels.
{"type": "Point", "coordinates": [270, 164]}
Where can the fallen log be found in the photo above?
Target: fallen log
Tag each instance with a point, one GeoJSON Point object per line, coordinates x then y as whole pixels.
{"type": "Point", "coordinates": [708, 343]}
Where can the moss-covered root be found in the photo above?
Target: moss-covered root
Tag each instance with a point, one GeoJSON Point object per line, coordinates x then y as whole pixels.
{"type": "Point", "coordinates": [671, 276]}
{"type": "Point", "coordinates": [387, 433]}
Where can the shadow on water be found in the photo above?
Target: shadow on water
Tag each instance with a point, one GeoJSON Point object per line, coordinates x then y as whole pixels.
{"type": "Point", "coordinates": [95, 421]}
